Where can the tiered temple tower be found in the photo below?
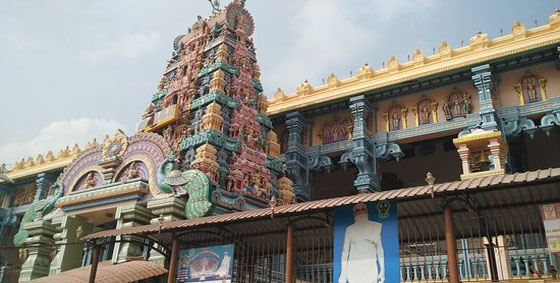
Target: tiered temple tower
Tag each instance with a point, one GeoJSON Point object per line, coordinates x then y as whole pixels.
{"type": "Point", "coordinates": [210, 109]}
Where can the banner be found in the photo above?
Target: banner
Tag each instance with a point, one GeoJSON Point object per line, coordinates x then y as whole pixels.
{"type": "Point", "coordinates": [551, 220]}
{"type": "Point", "coordinates": [366, 243]}
{"type": "Point", "coordinates": [209, 264]}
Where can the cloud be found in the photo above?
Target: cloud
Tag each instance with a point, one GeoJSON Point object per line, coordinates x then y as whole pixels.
{"type": "Point", "coordinates": [335, 36]}
{"type": "Point", "coordinates": [130, 47]}
{"type": "Point", "coordinates": [57, 135]}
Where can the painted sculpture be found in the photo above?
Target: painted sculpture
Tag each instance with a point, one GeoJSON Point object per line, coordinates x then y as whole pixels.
{"type": "Point", "coordinates": [210, 109]}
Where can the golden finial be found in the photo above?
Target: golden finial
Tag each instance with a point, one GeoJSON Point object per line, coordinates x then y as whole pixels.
{"type": "Point", "coordinates": [63, 153]}
{"type": "Point", "coordinates": [40, 159]}
{"type": "Point", "coordinates": [29, 162]}
{"type": "Point", "coordinates": [272, 204]}
{"type": "Point", "coordinates": [279, 94]}
{"type": "Point", "coordinates": [50, 156]}
{"type": "Point", "coordinates": [430, 179]}
{"type": "Point", "coordinates": [76, 149]}
{"type": "Point", "coordinates": [107, 136]}
{"type": "Point", "coordinates": [19, 164]}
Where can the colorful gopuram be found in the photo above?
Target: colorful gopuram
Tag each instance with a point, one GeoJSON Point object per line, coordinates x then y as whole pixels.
{"type": "Point", "coordinates": [210, 143]}
{"type": "Point", "coordinates": [204, 146]}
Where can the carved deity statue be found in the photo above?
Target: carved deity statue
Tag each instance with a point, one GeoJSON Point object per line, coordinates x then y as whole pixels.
{"type": "Point", "coordinates": [90, 181]}
{"type": "Point", "coordinates": [466, 103]}
{"type": "Point", "coordinates": [132, 171]}
{"type": "Point", "coordinates": [531, 90]}
{"type": "Point", "coordinates": [446, 109]}
{"type": "Point", "coordinates": [457, 106]}
{"type": "Point", "coordinates": [425, 114]}
{"type": "Point", "coordinates": [395, 120]}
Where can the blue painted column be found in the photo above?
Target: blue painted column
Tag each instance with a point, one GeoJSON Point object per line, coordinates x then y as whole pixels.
{"type": "Point", "coordinates": [44, 181]}
{"type": "Point", "coordinates": [363, 153]}
{"type": "Point", "coordinates": [296, 158]}
{"type": "Point", "coordinates": [484, 82]}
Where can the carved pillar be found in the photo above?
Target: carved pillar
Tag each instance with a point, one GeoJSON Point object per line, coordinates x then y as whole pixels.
{"type": "Point", "coordinates": [363, 155]}
{"type": "Point", "coordinates": [68, 256]}
{"type": "Point", "coordinates": [44, 181]}
{"type": "Point", "coordinates": [464, 154]}
{"type": "Point", "coordinates": [38, 258]}
{"type": "Point", "coordinates": [130, 216]}
{"type": "Point", "coordinates": [484, 82]}
{"type": "Point", "coordinates": [296, 158]}
{"type": "Point", "coordinates": [498, 154]}
{"type": "Point", "coordinates": [171, 208]}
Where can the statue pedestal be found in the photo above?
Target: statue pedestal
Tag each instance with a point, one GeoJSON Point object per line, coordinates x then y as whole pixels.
{"type": "Point", "coordinates": [172, 209]}
{"type": "Point", "coordinates": [38, 258]}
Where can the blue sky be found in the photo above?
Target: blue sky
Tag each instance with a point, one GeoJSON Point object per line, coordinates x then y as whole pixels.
{"type": "Point", "coordinates": [72, 70]}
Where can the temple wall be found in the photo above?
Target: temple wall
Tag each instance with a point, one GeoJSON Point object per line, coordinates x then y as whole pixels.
{"type": "Point", "coordinates": [412, 100]}
{"type": "Point", "coordinates": [508, 95]}
{"type": "Point", "coordinates": [320, 121]}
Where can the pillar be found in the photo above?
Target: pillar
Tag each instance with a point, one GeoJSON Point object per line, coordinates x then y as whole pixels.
{"type": "Point", "coordinates": [68, 256]}
{"type": "Point", "coordinates": [451, 244]}
{"type": "Point", "coordinates": [94, 263]}
{"type": "Point", "coordinates": [296, 157]}
{"type": "Point", "coordinates": [38, 258]}
{"type": "Point", "coordinates": [173, 262]}
{"type": "Point", "coordinates": [172, 209]}
{"type": "Point", "coordinates": [130, 216]}
{"type": "Point", "coordinates": [464, 154]}
{"type": "Point", "coordinates": [44, 182]}
{"type": "Point", "coordinates": [363, 155]}
{"type": "Point", "coordinates": [484, 82]}
{"type": "Point", "coordinates": [289, 272]}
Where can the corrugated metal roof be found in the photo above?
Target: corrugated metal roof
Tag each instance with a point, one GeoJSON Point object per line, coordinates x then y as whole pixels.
{"type": "Point", "coordinates": [481, 183]}
{"type": "Point", "coordinates": [130, 271]}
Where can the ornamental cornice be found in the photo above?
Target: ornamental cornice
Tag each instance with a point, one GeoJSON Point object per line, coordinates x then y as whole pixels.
{"type": "Point", "coordinates": [482, 174]}
{"type": "Point", "coordinates": [477, 136]}
{"type": "Point", "coordinates": [458, 58]}
{"type": "Point", "coordinates": [83, 196]}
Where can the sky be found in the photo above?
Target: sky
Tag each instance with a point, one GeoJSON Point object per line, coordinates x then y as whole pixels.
{"type": "Point", "coordinates": [72, 70]}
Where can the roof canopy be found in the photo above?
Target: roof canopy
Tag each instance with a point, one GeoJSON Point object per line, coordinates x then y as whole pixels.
{"type": "Point", "coordinates": [129, 271]}
{"type": "Point", "coordinates": [487, 185]}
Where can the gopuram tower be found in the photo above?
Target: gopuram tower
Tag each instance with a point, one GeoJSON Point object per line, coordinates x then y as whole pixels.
{"type": "Point", "coordinates": [210, 109]}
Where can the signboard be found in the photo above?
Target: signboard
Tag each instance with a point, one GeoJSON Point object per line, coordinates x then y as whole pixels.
{"type": "Point", "coordinates": [366, 243]}
{"type": "Point", "coordinates": [551, 220]}
{"type": "Point", "coordinates": [209, 264]}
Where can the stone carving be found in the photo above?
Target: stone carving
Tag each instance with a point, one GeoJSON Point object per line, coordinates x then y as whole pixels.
{"type": "Point", "coordinates": [530, 88]}
{"type": "Point", "coordinates": [395, 118]}
{"type": "Point", "coordinates": [457, 104]}
{"type": "Point", "coordinates": [336, 130]}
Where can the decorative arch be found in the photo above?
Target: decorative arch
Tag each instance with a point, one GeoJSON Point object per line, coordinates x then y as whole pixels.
{"type": "Point", "coordinates": [146, 150]}
{"type": "Point", "coordinates": [457, 104]}
{"type": "Point", "coordinates": [425, 112]}
{"type": "Point", "coordinates": [395, 117]}
{"type": "Point", "coordinates": [530, 88]}
{"type": "Point", "coordinates": [89, 177]}
{"type": "Point", "coordinates": [132, 169]}
{"type": "Point", "coordinates": [85, 162]}
{"type": "Point", "coordinates": [336, 130]}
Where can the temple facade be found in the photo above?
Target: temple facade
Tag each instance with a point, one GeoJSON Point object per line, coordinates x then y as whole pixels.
{"type": "Point", "coordinates": [211, 143]}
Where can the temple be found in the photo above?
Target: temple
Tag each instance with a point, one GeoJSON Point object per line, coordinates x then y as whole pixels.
{"type": "Point", "coordinates": [462, 143]}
